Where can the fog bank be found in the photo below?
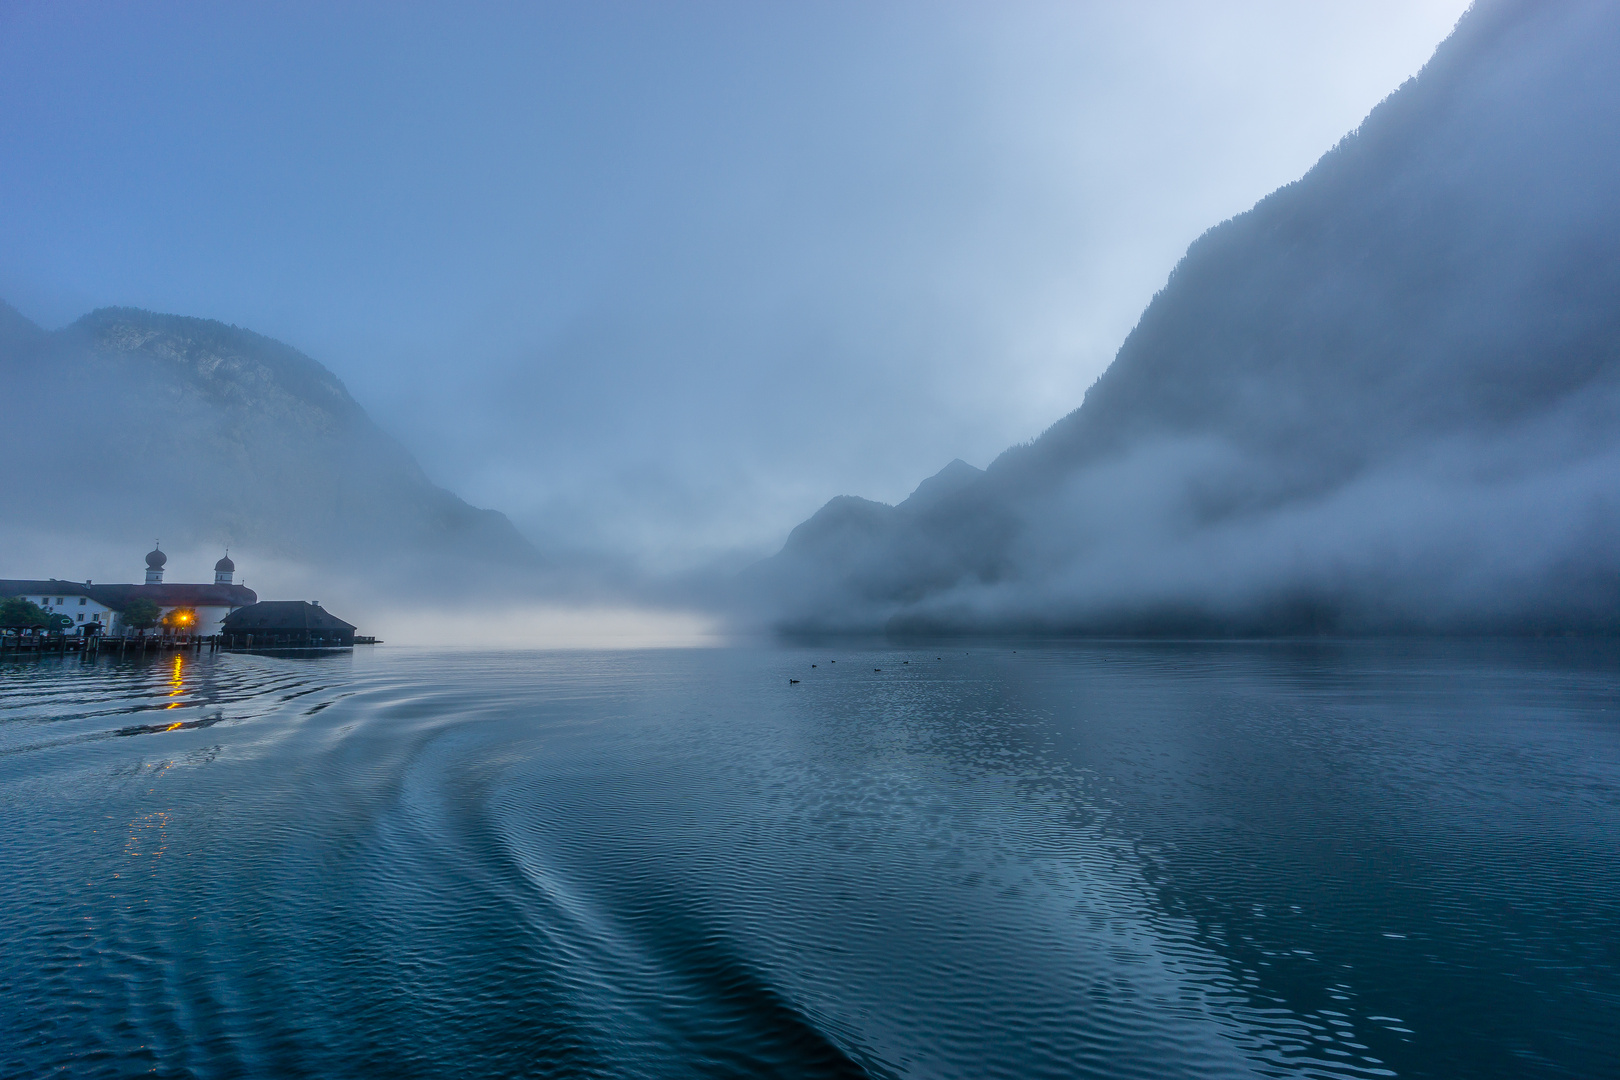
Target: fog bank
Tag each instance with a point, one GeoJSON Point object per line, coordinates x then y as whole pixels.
{"type": "Point", "coordinates": [1383, 400]}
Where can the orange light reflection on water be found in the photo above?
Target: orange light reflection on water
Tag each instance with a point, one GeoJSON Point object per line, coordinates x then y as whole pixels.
{"type": "Point", "coordinates": [177, 680]}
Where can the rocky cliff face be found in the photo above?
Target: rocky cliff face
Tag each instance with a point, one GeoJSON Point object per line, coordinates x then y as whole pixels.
{"type": "Point", "coordinates": [198, 431]}
{"type": "Point", "coordinates": [1383, 399]}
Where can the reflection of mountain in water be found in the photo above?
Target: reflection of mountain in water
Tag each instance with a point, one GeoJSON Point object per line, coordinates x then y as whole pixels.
{"type": "Point", "coordinates": [1386, 397]}
{"type": "Point", "coordinates": [198, 431]}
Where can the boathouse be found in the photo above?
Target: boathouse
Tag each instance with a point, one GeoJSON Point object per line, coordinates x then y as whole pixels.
{"type": "Point", "coordinates": [296, 624]}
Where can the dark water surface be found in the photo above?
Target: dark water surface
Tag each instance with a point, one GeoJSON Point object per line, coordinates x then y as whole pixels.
{"type": "Point", "coordinates": [1396, 859]}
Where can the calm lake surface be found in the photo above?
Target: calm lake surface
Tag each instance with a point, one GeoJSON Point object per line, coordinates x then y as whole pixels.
{"type": "Point", "coordinates": [1096, 860]}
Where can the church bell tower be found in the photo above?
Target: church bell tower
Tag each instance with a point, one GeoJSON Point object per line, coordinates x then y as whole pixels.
{"type": "Point", "coordinates": [154, 565]}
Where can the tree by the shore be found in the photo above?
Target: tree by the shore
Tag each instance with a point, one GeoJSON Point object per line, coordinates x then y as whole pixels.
{"type": "Point", "coordinates": [17, 612]}
{"type": "Point", "coordinates": [141, 614]}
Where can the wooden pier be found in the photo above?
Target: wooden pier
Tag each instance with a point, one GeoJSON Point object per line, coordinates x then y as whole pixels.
{"type": "Point", "coordinates": [13, 645]}
{"type": "Point", "coordinates": [17, 646]}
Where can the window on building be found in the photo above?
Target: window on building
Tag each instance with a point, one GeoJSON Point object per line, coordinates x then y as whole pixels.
{"type": "Point", "coordinates": [81, 601]}
{"type": "Point", "coordinates": [58, 599]}
{"type": "Point", "coordinates": [81, 616]}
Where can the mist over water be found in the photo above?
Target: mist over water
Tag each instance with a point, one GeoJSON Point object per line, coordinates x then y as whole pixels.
{"type": "Point", "coordinates": [554, 319]}
{"type": "Point", "coordinates": [1110, 860]}
{"type": "Point", "coordinates": [654, 283]}
{"type": "Point", "coordinates": [1382, 400]}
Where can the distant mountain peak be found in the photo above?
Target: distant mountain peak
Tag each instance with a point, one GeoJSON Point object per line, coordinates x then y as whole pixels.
{"type": "Point", "coordinates": [17, 330]}
{"type": "Point", "coordinates": [197, 428]}
{"type": "Point", "coordinates": [948, 481]}
{"type": "Point", "coordinates": [1386, 398]}
{"type": "Point", "coordinates": [844, 519]}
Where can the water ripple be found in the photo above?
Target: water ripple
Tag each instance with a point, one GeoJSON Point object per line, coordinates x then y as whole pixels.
{"type": "Point", "coordinates": [1108, 860]}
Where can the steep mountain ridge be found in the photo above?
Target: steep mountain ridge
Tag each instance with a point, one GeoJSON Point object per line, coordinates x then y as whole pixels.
{"type": "Point", "coordinates": [1332, 396]}
{"type": "Point", "coordinates": [204, 432]}
{"type": "Point", "coordinates": [229, 366]}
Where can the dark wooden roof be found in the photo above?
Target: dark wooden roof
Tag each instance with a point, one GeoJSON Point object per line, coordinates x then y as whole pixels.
{"type": "Point", "coordinates": [24, 586]}
{"type": "Point", "coordinates": [118, 597]}
{"type": "Point", "coordinates": [176, 595]}
{"type": "Point", "coordinates": [280, 616]}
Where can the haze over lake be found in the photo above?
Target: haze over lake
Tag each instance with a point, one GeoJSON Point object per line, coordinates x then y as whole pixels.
{"type": "Point", "coordinates": [653, 285]}
{"type": "Point", "coordinates": [859, 540]}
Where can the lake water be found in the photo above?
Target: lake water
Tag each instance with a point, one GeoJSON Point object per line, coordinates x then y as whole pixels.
{"type": "Point", "coordinates": [1096, 860]}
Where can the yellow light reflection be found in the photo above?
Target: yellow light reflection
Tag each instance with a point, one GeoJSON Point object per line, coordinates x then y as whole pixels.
{"type": "Point", "coordinates": [149, 836]}
{"type": "Point", "coordinates": [177, 680]}
{"type": "Point", "coordinates": [176, 724]}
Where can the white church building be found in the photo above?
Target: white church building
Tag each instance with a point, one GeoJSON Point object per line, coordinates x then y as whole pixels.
{"type": "Point", "coordinates": [186, 609]}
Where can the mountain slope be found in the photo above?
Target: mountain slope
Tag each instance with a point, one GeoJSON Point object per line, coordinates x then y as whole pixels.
{"type": "Point", "coordinates": [1383, 399]}
{"type": "Point", "coordinates": [202, 432]}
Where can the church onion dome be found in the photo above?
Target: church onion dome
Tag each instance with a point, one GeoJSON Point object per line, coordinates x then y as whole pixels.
{"type": "Point", "coordinates": [155, 559]}
{"type": "Point", "coordinates": [225, 566]}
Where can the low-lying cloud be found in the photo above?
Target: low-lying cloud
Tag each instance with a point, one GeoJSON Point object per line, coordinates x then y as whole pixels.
{"type": "Point", "coordinates": [1385, 400]}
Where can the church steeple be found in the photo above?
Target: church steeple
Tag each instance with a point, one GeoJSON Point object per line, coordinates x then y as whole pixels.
{"type": "Point", "coordinates": [154, 564]}
{"type": "Point", "coordinates": [224, 569]}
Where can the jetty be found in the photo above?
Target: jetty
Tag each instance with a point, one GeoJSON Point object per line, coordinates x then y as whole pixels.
{"type": "Point", "coordinates": [88, 646]}
{"type": "Point", "coordinates": [47, 643]}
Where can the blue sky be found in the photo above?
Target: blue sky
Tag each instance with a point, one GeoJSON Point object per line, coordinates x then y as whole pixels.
{"type": "Point", "coordinates": [661, 278]}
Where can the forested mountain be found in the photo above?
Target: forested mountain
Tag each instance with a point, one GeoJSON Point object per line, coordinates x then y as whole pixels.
{"type": "Point", "coordinates": [1384, 399]}
{"type": "Point", "coordinates": [199, 432]}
